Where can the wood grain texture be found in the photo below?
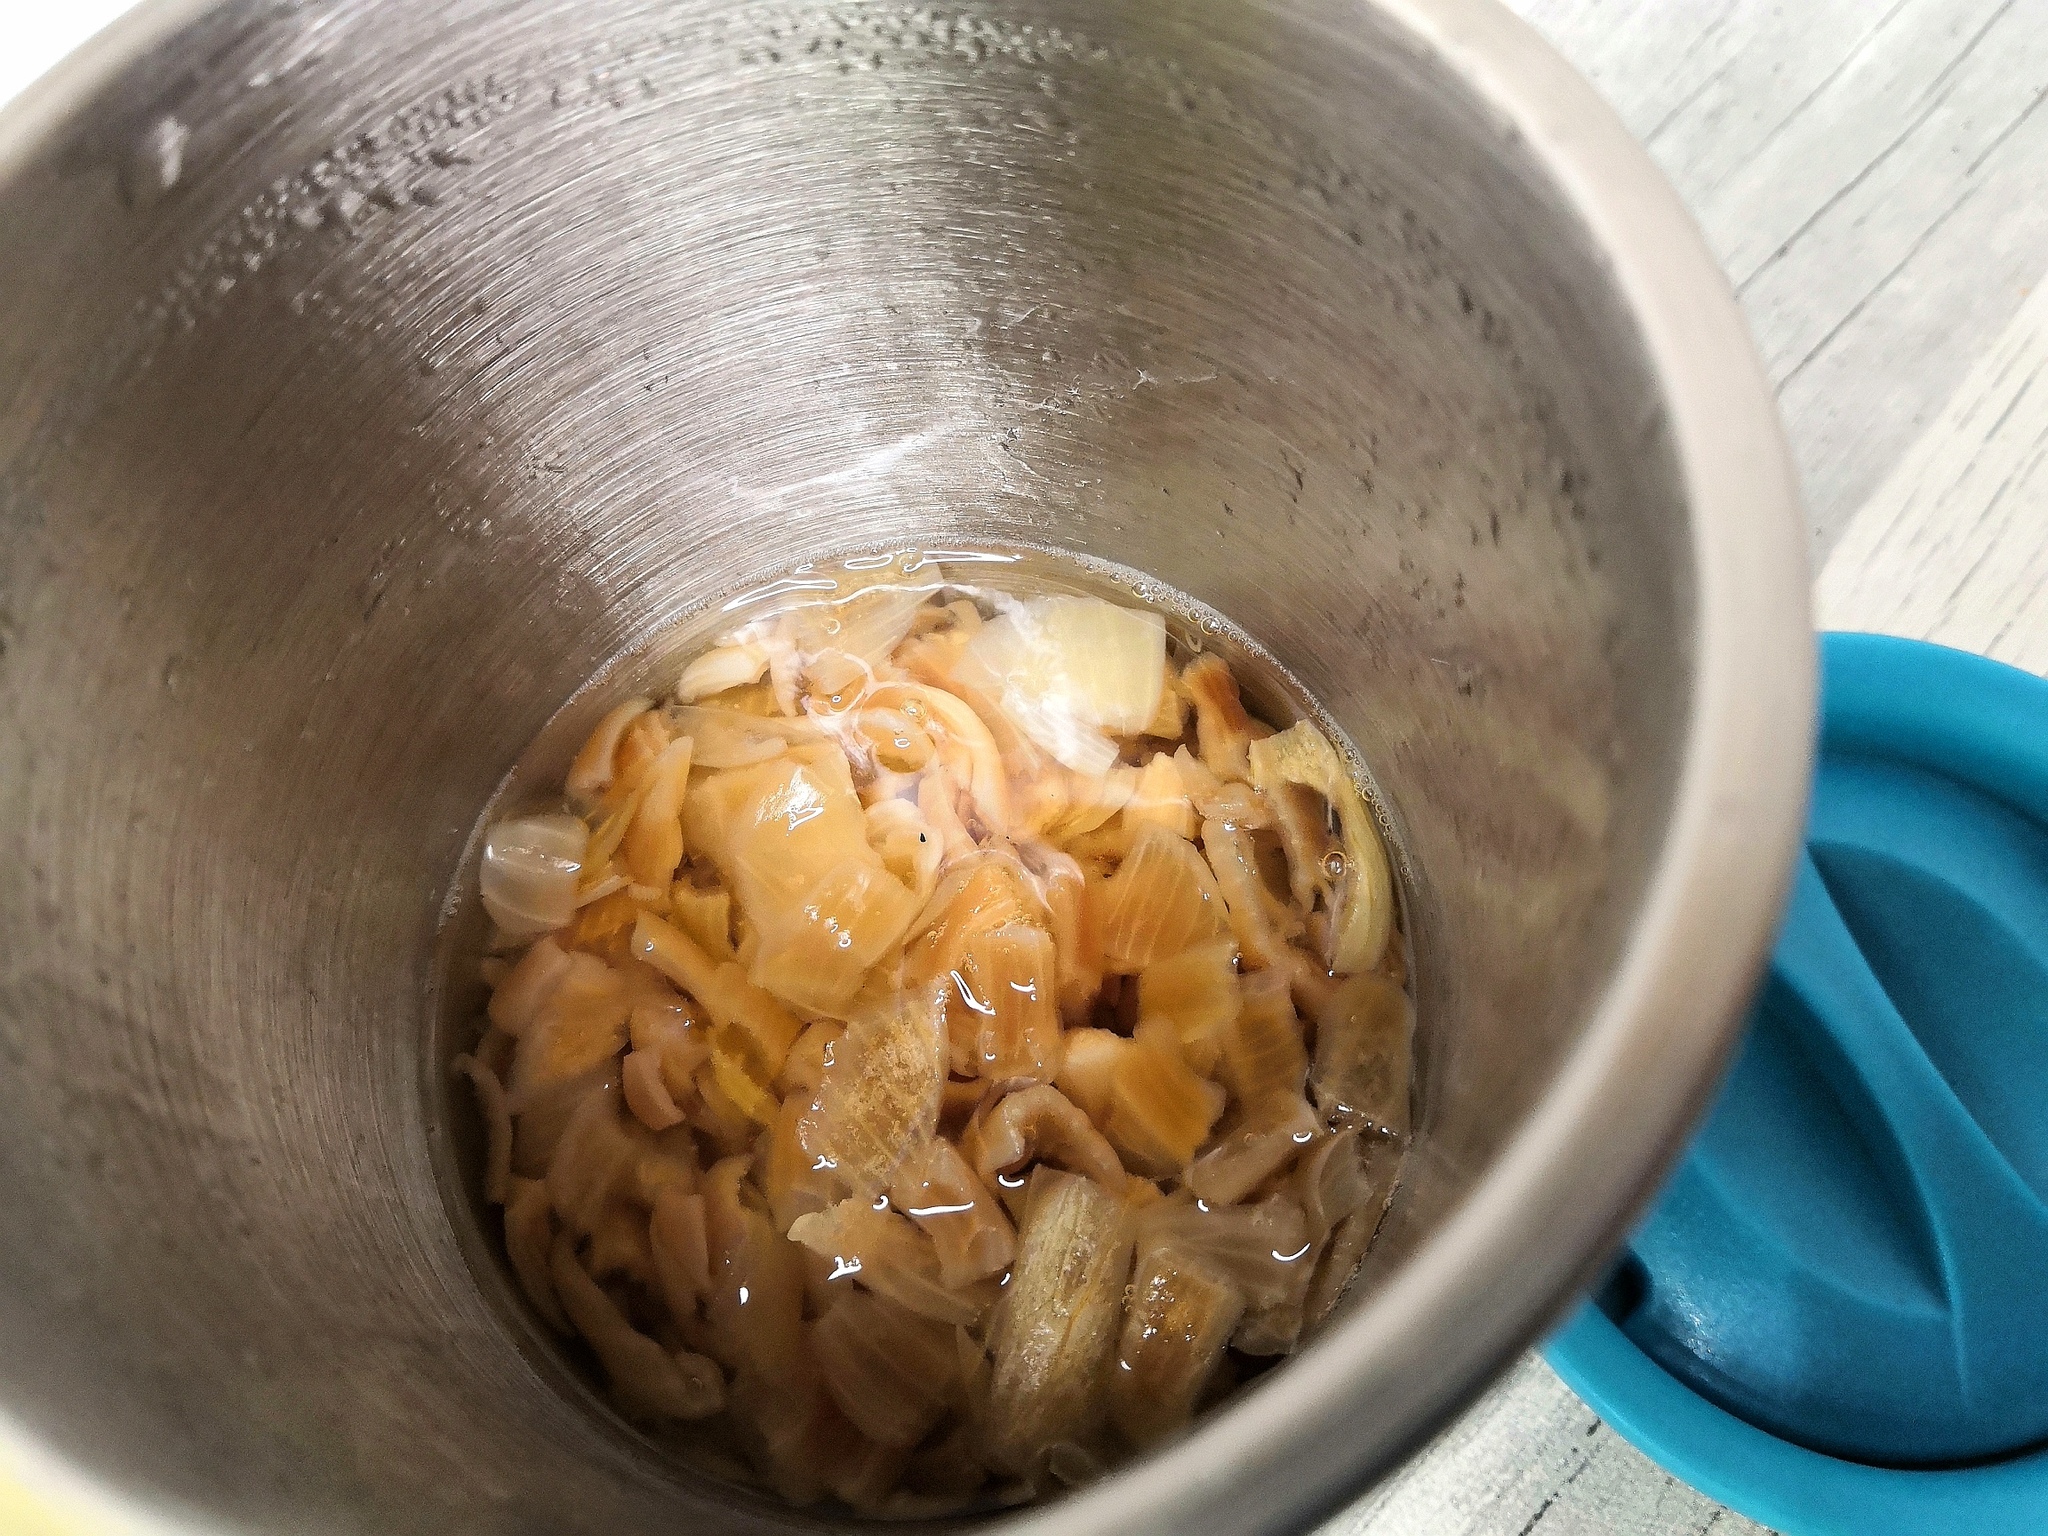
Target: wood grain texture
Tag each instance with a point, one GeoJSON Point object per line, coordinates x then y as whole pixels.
{"type": "Point", "coordinates": [1954, 545]}
{"type": "Point", "coordinates": [1872, 174]}
{"type": "Point", "coordinates": [1532, 1460]}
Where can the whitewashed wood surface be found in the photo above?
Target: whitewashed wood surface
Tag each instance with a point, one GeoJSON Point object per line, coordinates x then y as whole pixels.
{"type": "Point", "coordinates": [1873, 175]}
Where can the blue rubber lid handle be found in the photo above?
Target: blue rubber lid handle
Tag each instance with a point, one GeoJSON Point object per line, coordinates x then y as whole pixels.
{"type": "Point", "coordinates": [1990, 1230]}
{"type": "Point", "coordinates": [1847, 1270]}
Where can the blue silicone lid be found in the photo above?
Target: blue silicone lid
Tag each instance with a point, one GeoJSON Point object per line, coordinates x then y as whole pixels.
{"type": "Point", "coordinates": [1835, 1318]}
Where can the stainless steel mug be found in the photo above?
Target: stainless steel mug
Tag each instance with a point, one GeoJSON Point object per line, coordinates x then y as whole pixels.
{"type": "Point", "coordinates": [373, 371]}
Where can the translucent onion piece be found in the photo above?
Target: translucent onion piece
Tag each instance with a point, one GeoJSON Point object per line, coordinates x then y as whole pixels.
{"type": "Point", "coordinates": [1180, 1318]}
{"type": "Point", "coordinates": [1265, 1141]}
{"type": "Point", "coordinates": [1056, 1328]}
{"type": "Point", "coordinates": [1068, 669]}
{"type": "Point", "coordinates": [646, 1381]}
{"type": "Point", "coordinates": [1089, 801]}
{"type": "Point", "coordinates": [1303, 820]}
{"type": "Point", "coordinates": [756, 1301]}
{"type": "Point", "coordinates": [1001, 1013]}
{"type": "Point", "coordinates": [1223, 731]}
{"type": "Point", "coordinates": [732, 738]}
{"type": "Point", "coordinates": [1275, 1329]}
{"type": "Point", "coordinates": [706, 916]}
{"type": "Point", "coordinates": [938, 801]}
{"type": "Point", "coordinates": [1197, 992]}
{"type": "Point", "coordinates": [866, 625]}
{"type": "Point", "coordinates": [643, 742]}
{"type": "Point", "coordinates": [986, 890]}
{"type": "Point", "coordinates": [1263, 1055]}
{"type": "Point", "coordinates": [788, 1172]}
{"type": "Point", "coordinates": [1161, 901]}
{"type": "Point", "coordinates": [1159, 1110]}
{"type": "Point", "coordinates": [673, 1039]}
{"type": "Point", "coordinates": [817, 955]}
{"type": "Point", "coordinates": [1076, 930]}
{"type": "Point", "coordinates": [733, 1002]}
{"type": "Point", "coordinates": [539, 1118]}
{"type": "Point", "coordinates": [490, 1103]}
{"type": "Point", "coordinates": [889, 1255]}
{"type": "Point", "coordinates": [647, 1095]}
{"type": "Point", "coordinates": [1258, 920]}
{"type": "Point", "coordinates": [653, 844]}
{"type": "Point", "coordinates": [529, 872]}
{"type": "Point", "coordinates": [1331, 1181]}
{"type": "Point", "coordinates": [973, 1238]}
{"type": "Point", "coordinates": [791, 838]}
{"type": "Point", "coordinates": [1040, 1123]}
{"type": "Point", "coordinates": [594, 1163]}
{"type": "Point", "coordinates": [1263, 1249]}
{"type": "Point", "coordinates": [890, 1372]}
{"type": "Point", "coordinates": [682, 1255]}
{"type": "Point", "coordinates": [1339, 1263]}
{"type": "Point", "coordinates": [719, 1118]}
{"type": "Point", "coordinates": [1170, 719]}
{"type": "Point", "coordinates": [964, 742]}
{"type": "Point", "coordinates": [519, 996]}
{"type": "Point", "coordinates": [738, 1077]}
{"type": "Point", "coordinates": [907, 845]}
{"type": "Point", "coordinates": [1301, 754]}
{"type": "Point", "coordinates": [590, 775]}
{"type": "Point", "coordinates": [580, 1027]}
{"type": "Point", "coordinates": [803, 1071]}
{"type": "Point", "coordinates": [1089, 1070]}
{"type": "Point", "coordinates": [530, 1243]}
{"type": "Point", "coordinates": [1160, 797]}
{"type": "Point", "coordinates": [722, 667]}
{"type": "Point", "coordinates": [880, 1098]}
{"type": "Point", "coordinates": [1362, 1055]}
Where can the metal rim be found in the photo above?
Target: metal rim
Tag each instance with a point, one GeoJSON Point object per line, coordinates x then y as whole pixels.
{"type": "Point", "coordinates": [1562, 1194]}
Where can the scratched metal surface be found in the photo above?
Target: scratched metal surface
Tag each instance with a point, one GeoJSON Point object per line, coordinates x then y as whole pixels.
{"type": "Point", "coordinates": [1870, 175]}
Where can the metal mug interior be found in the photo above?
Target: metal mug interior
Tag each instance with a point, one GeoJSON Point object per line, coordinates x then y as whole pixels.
{"type": "Point", "coordinates": [373, 374]}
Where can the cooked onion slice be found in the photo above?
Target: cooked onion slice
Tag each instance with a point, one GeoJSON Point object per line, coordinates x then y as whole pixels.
{"type": "Point", "coordinates": [1181, 1316]}
{"type": "Point", "coordinates": [892, 1373]}
{"type": "Point", "coordinates": [1041, 1123]}
{"type": "Point", "coordinates": [1196, 991]}
{"type": "Point", "coordinates": [935, 1188]}
{"type": "Point", "coordinates": [1069, 669]}
{"type": "Point", "coordinates": [647, 1381]}
{"type": "Point", "coordinates": [1266, 1139]}
{"type": "Point", "coordinates": [1362, 1055]}
{"type": "Point", "coordinates": [1159, 1110]}
{"type": "Point", "coordinates": [1364, 913]}
{"type": "Point", "coordinates": [1056, 1327]}
{"type": "Point", "coordinates": [880, 1097]}
{"type": "Point", "coordinates": [529, 872]}
{"type": "Point", "coordinates": [1263, 1055]}
{"type": "Point", "coordinates": [886, 1252]}
{"type": "Point", "coordinates": [1161, 901]}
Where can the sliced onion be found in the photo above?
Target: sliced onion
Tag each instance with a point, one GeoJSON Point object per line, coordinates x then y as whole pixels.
{"type": "Point", "coordinates": [530, 869]}
{"type": "Point", "coordinates": [1069, 669]}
